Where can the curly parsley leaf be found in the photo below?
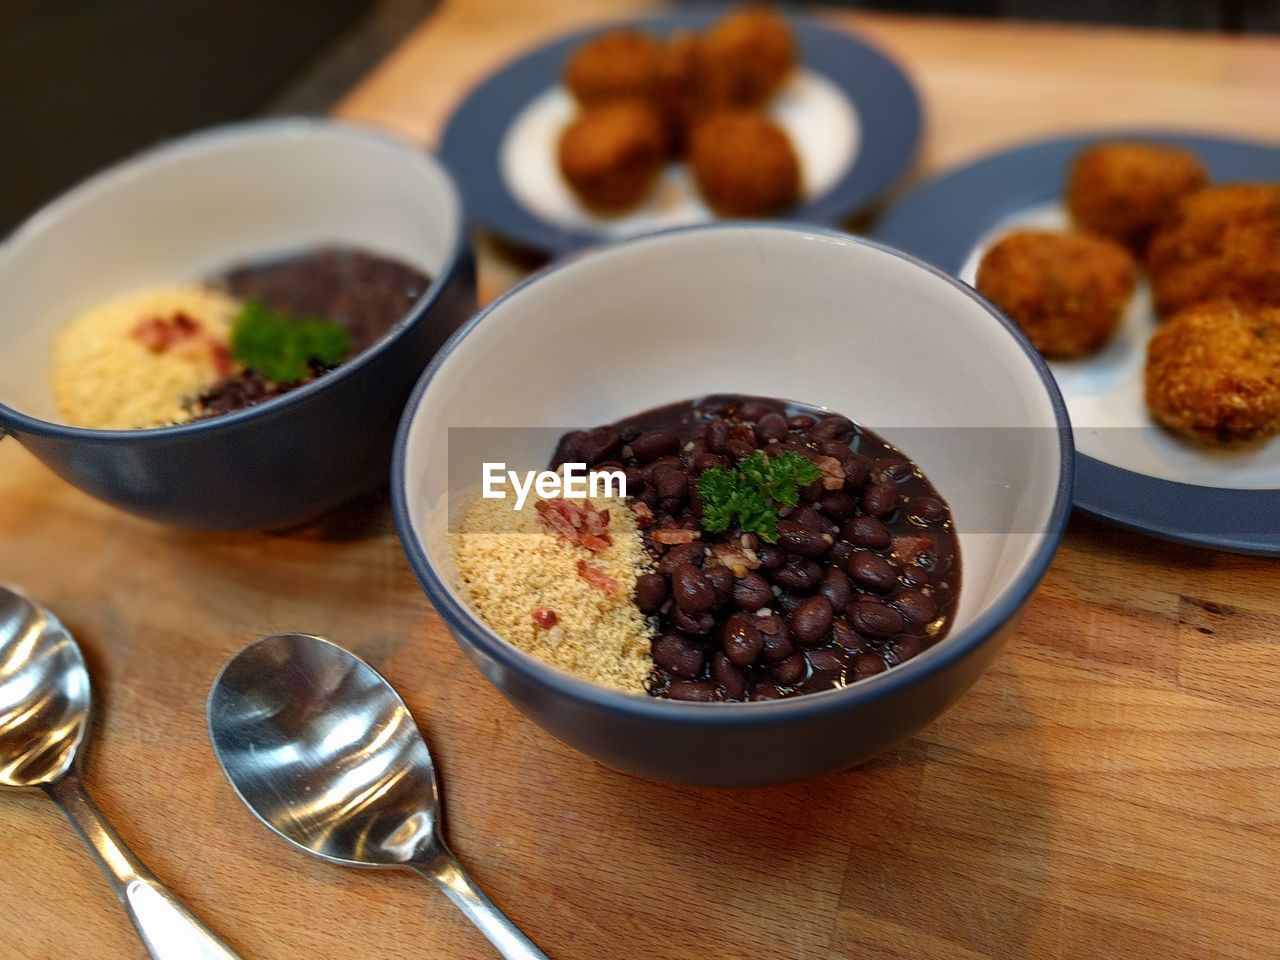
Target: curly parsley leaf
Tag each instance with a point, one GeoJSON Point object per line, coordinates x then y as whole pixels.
{"type": "Point", "coordinates": [747, 496]}
{"type": "Point", "coordinates": [281, 347]}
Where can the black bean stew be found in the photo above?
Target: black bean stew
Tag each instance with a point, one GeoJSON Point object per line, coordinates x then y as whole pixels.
{"type": "Point", "coordinates": [366, 293]}
{"type": "Point", "coordinates": [864, 573]}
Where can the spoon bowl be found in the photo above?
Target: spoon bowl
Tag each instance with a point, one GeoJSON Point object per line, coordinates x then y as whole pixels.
{"type": "Point", "coordinates": [44, 694]}
{"type": "Point", "coordinates": [325, 753]}
{"type": "Point", "coordinates": [354, 786]}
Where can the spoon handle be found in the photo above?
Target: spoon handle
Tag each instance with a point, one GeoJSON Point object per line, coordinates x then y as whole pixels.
{"type": "Point", "coordinates": [168, 930]}
{"type": "Point", "coordinates": [444, 870]}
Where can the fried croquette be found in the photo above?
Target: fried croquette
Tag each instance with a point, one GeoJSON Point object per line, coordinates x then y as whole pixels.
{"type": "Point", "coordinates": [748, 54]}
{"type": "Point", "coordinates": [1213, 373]}
{"type": "Point", "coordinates": [612, 153]}
{"type": "Point", "coordinates": [1124, 190]}
{"type": "Point", "coordinates": [744, 163]}
{"type": "Point", "coordinates": [620, 65]}
{"type": "Point", "coordinates": [1067, 291]}
{"type": "Point", "coordinates": [1221, 244]}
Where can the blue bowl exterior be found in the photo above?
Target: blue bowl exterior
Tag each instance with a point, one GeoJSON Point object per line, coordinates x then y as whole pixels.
{"type": "Point", "coordinates": [805, 744]}
{"type": "Point", "coordinates": [273, 465]}
{"type": "Point", "coordinates": [748, 744]}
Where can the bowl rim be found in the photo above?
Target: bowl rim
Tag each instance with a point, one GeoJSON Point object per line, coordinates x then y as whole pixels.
{"type": "Point", "coordinates": [954, 647]}
{"type": "Point", "coordinates": [268, 128]}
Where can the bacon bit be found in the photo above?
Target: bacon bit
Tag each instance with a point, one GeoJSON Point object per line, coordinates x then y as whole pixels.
{"type": "Point", "coordinates": [738, 560]}
{"type": "Point", "coordinates": [832, 472]}
{"type": "Point", "coordinates": [545, 618]}
{"type": "Point", "coordinates": [221, 357]}
{"type": "Point", "coordinates": [583, 525]}
{"type": "Point", "coordinates": [644, 516]}
{"type": "Point", "coordinates": [671, 537]}
{"type": "Point", "coordinates": [599, 579]}
{"type": "Point", "coordinates": [161, 334]}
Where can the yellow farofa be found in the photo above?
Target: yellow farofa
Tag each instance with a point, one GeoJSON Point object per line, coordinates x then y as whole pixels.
{"type": "Point", "coordinates": [509, 563]}
{"type": "Point", "coordinates": [105, 378]}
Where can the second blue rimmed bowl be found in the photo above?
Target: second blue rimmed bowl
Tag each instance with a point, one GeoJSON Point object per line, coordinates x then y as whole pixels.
{"type": "Point", "coordinates": [773, 310]}
{"type": "Point", "coordinates": [198, 205]}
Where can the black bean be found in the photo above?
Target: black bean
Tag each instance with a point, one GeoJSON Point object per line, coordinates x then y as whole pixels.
{"type": "Point", "coordinates": [827, 660]}
{"type": "Point", "coordinates": [651, 592]}
{"type": "Point", "coordinates": [800, 422]}
{"type": "Point", "coordinates": [811, 492]}
{"type": "Point", "coordinates": [600, 444]}
{"type": "Point", "coordinates": [679, 655]}
{"type": "Point", "coordinates": [731, 677]}
{"type": "Point", "coordinates": [752, 592]}
{"type": "Point", "coordinates": [836, 587]}
{"type": "Point", "coordinates": [680, 553]}
{"type": "Point", "coordinates": [866, 532]}
{"type": "Point", "coordinates": [892, 469]}
{"type": "Point", "coordinates": [786, 602]}
{"type": "Point", "coordinates": [867, 665]}
{"type": "Point", "coordinates": [740, 639]}
{"type": "Point", "coordinates": [767, 691]}
{"type": "Point", "coordinates": [844, 636]}
{"type": "Point", "coordinates": [915, 575]}
{"type": "Point", "coordinates": [915, 606]}
{"type": "Point", "coordinates": [872, 618]}
{"type": "Point", "coordinates": [696, 623]}
{"type": "Point", "coordinates": [772, 426]}
{"type": "Point", "coordinates": [811, 620]}
{"type": "Point", "coordinates": [717, 436]}
{"type": "Point", "coordinates": [697, 691]}
{"type": "Point", "coordinates": [635, 480]}
{"type": "Point", "coordinates": [569, 450]}
{"type": "Point", "coordinates": [797, 573]}
{"type": "Point", "coordinates": [926, 509]}
{"type": "Point", "coordinates": [837, 504]}
{"type": "Point", "coordinates": [775, 638]}
{"type": "Point", "coordinates": [880, 498]}
{"type": "Point", "coordinates": [857, 472]}
{"type": "Point", "coordinates": [654, 444]}
{"type": "Point", "coordinates": [691, 589]}
{"type": "Point", "coordinates": [770, 556]}
{"type": "Point", "coordinates": [810, 518]}
{"type": "Point", "coordinates": [722, 580]}
{"type": "Point", "coordinates": [840, 553]}
{"type": "Point", "coordinates": [652, 470]}
{"type": "Point", "coordinates": [671, 484]}
{"type": "Point", "coordinates": [872, 571]}
{"type": "Point", "coordinates": [739, 448]}
{"type": "Point", "coordinates": [832, 427]}
{"type": "Point", "coordinates": [802, 541]}
{"type": "Point", "coordinates": [791, 670]}
{"type": "Point", "coordinates": [905, 647]}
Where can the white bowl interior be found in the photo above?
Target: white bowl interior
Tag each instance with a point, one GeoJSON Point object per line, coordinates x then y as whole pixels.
{"type": "Point", "coordinates": [202, 204]}
{"type": "Point", "coordinates": [774, 312]}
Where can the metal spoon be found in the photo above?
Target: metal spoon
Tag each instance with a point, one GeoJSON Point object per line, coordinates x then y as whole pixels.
{"type": "Point", "coordinates": [324, 752]}
{"type": "Point", "coordinates": [44, 712]}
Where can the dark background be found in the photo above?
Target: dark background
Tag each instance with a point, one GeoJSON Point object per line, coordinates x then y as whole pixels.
{"type": "Point", "coordinates": [86, 82]}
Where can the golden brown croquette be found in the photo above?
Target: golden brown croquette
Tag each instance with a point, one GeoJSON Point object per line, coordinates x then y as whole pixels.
{"type": "Point", "coordinates": [1213, 373]}
{"type": "Point", "coordinates": [1067, 291]}
{"type": "Point", "coordinates": [619, 65]}
{"type": "Point", "coordinates": [748, 54]}
{"type": "Point", "coordinates": [1125, 190]}
{"type": "Point", "coordinates": [612, 153]}
{"type": "Point", "coordinates": [1221, 244]}
{"type": "Point", "coordinates": [744, 163]}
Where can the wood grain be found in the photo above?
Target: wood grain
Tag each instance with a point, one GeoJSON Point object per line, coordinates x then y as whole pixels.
{"type": "Point", "coordinates": [1108, 789]}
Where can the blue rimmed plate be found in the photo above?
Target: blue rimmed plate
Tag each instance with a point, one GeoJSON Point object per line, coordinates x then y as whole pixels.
{"type": "Point", "coordinates": [1127, 469]}
{"type": "Point", "coordinates": [850, 111]}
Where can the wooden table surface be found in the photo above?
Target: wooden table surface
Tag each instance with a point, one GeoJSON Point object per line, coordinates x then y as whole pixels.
{"type": "Point", "coordinates": [1108, 789]}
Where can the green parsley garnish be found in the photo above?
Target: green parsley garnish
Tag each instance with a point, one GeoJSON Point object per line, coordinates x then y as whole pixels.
{"type": "Point", "coordinates": [747, 496]}
{"type": "Point", "coordinates": [281, 347]}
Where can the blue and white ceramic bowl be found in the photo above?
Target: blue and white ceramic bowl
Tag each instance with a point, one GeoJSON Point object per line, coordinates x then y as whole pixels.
{"type": "Point", "coordinates": [188, 209]}
{"type": "Point", "coordinates": [782, 311]}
